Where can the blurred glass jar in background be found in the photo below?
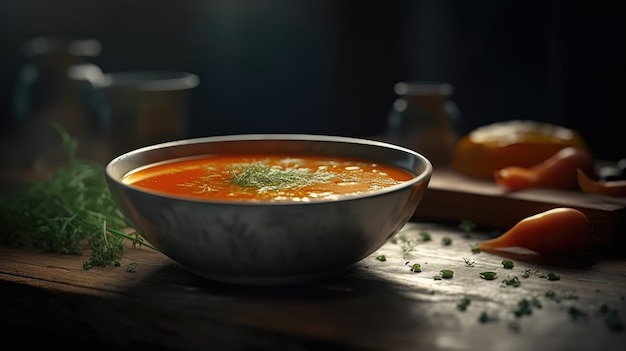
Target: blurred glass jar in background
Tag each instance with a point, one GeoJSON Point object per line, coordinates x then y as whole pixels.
{"type": "Point", "coordinates": [51, 88]}
{"type": "Point", "coordinates": [424, 119]}
{"type": "Point", "coordinates": [140, 108]}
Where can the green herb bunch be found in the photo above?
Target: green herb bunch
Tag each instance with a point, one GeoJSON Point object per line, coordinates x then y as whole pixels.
{"type": "Point", "coordinates": [67, 212]}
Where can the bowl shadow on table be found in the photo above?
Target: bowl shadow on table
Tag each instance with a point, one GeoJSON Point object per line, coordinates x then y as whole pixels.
{"type": "Point", "coordinates": [359, 309]}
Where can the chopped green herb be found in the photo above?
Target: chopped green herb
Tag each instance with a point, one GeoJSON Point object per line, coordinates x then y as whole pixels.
{"type": "Point", "coordinates": [105, 253]}
{"type": "Point", "coordinates": [524, 307]}
{"type": "Point", "coordinates": [416, 267]}
{"type": "Point", "coordinates": [488, 275]}
{"type": "Point", "coordinates": [407, 244]}
{"type": "Point", "coordinates": [462, 305]}
{"type": "Point", "coordinates": [487, 318]}
{"type": "Point", "coordinates": [553, 276]}
{"type": "Point", "coordinates": [475, 249]}
{"type": "Point", "coordinates": [553, 296]}
{"type": "Point", "coordinates": [529, 272]}
{"type": "Point", "coordinates": [446, 274]}
{"type": "Point", "coordinates": [467, 226]}
{"type": "Point", "coordinates": [446, 241]}
{"type": "Point", "coordinates": [425, 236]}
{"type": "Point", "coordinates": [508, 264]}
{"type": "Point", "coordinates": [131, 267]}
{"type": "Point", "coordinates": [536, 303]}
{"type": "Point", "coordinates": [514, 282]}
{"type": "Point", "coordinates": [381, 258]}
{"type": "Point", "coordinates": [468, 262]}
{"type": "Point", "coordinates": [268, 178]}
{"type": "Point", "coordinates": [575, 313]}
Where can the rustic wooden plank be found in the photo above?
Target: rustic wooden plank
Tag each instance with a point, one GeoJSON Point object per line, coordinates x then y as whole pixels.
{"type": "Point", "coordinates": [376, 305]}
{"type": "Point", "coordinates": [451, 196]}
{"type": "Point", "coordinates": [46, 270]}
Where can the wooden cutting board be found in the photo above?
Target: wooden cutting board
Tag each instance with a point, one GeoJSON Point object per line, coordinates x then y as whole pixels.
{"type": "Point", "coordinates": [453, 197]}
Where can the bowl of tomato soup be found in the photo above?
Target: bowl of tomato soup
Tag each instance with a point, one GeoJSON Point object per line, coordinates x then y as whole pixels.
{"type": "Point", "coordinates": [268, 208]}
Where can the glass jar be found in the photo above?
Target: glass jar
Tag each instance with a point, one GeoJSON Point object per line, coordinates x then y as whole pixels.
{"type": "Point", "coordinates": [49, 90]}
{"type": "Point", "coordinates": [141, 108]}
{"type": "Point", "coordinates": [423, 118]}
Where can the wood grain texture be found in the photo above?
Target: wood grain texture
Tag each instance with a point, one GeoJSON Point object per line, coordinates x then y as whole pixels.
{"type": "Point", "coordinates": [451, 196]}
{"type": "Point", "coordinates": [376, 305]}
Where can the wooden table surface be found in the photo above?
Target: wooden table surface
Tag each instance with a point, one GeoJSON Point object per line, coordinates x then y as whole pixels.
{"type": "Point", "coordinates": [49, 299]}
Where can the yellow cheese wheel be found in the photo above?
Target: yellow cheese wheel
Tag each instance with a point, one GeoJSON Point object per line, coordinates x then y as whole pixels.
{"type": "Point", "coordinates": [522, 143]}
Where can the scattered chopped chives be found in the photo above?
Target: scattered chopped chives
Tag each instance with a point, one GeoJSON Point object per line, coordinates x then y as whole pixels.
{"type": "Point", "coordinates": [488, 275]}
{"type": "Point", "coordinates": [514, 282]}
{"type": "Point", "coordinates": [416, 267]}
{"type": "Point", "coordinates": [553, 276]}
{"type": "Point", "coordinates": [446, 274]}
{"type": "Point", "coordinates": [508, 264]}
{"type": "Point", "coordinates": [462, 305]}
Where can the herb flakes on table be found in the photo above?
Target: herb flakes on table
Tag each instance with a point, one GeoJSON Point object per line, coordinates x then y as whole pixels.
{"type": "Point", "coordinates": [508, 264]}
{"type": "Point", "coordinates": [425, 236]}
{"type": "Point", "coordinates": [553, 276]}
{"type": "Point", "coordinates": [525, 307]}
{"type": "Point", "coordinates": [463, 304]}
{"type": "Point", "coordinates": [467, 226]}
{"type": "Point", "coordinates": [416, 268]}
{"type": "Point", "coordinates": [468, 262]}
{"type": "Point", "coordinates": [516, 313]}
{"type": "Point", "coordinates": [487, 317]}
{"type": "Point", "coordinates": [514, 282]}
{"type": "Point", "coordinates": [488, 275]}
{"type": "Point", "coordinates": [407, 244]}
{"type": "Point", "coordinates": [446, 274]}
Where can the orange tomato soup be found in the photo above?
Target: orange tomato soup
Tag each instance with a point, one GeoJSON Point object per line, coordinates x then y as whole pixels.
{"type": "Point", "coordinates": [266, 178]}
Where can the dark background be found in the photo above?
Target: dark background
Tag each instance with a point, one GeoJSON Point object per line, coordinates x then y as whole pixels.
{"type": "Point", "coordinates": [321, 66]}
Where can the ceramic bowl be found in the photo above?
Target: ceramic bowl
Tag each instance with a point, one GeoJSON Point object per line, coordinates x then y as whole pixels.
{"type": "Point", "coordinates": [269, 242]}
